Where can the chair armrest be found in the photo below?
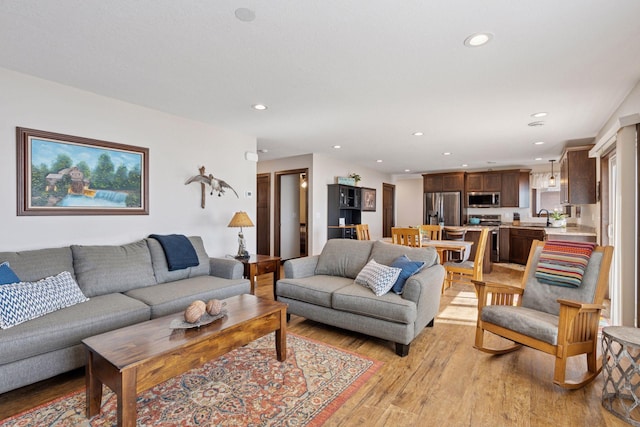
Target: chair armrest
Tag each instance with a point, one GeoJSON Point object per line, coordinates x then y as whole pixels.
{"type": "Point", "coordinates": [577, 322]}
{"type": "Point", "coordinates": [227, 268]}
{"type": "Point", "coordinates": [580, 305]}
{"type": "Point", "coordinates": [424, 289]}
{"type": "Point", "coordinates": [301, 267]}
{"type": "Point", "coordinates": [500, 294]}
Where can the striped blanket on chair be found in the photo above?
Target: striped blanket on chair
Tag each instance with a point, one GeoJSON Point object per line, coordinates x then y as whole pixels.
{"type": "Point", "coordinates": [562, 263]}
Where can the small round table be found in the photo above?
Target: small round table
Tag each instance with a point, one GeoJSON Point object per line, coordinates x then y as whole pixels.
{"type": "Point", "coordinates": [621, 371]}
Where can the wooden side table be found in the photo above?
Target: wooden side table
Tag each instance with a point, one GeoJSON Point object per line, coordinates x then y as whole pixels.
{"type": "Point", "coordinates": [621, 371]}
{"type": "Point", "coordinates": [256, 265]}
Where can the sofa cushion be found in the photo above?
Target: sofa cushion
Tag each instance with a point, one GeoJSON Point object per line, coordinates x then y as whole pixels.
{"type": "Point", "coordinates": [409, 268]}
{"type": "Point", "coordinates": [24, 301]}
{"type": "Point", "coordinates": [69, 326]}
{"type": "Point", "coordinates": [344, 257]}
{"type": "Point", "coordinates": [161, 269]}
{"type": "Point", "coordinates": [102, 270]}
{"type": "Point", "coordinates": [171, 297]}
{"type": "Point", "coordinates": [378, 277]}
{"type": "Point", "coordinates": [7, 275]}
{"type": "Point", "coordinates": [386, 253]}
{"type": "Point", "coordinates": [314, 289]}
{"type": "Point", "coordinates": [30, 266]}
{"type": "Point", "coordinates": [390, 306]}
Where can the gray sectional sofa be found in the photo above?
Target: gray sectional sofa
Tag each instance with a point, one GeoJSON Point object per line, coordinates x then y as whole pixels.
{"type": "Point", "coordinates": [322, 288]}
{"type": "Point", "coordinates": [125, 284]}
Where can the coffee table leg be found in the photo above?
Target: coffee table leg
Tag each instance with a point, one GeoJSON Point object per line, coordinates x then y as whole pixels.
{"type": "Point", "coordinates": [281, 337]}
{"type": "Point", "coordinates": [127, 415]}
{"type": "Point", "coordinates": [94, 388]}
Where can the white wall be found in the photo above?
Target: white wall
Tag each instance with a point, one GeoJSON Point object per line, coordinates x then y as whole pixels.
{"type": "Point", "coordinates": [325, 171]}
{"type": "Point", "coordinates": [177, 147]}
{"type": "Point", "coordinates": [409, 200]}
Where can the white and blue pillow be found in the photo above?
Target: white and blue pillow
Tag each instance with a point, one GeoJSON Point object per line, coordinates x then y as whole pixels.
{"type": "Point", "coordinates": [378, 277]}
{"type": "Point", "coordinates": [409, 268]}
{"type": "Point", "coordinates": [7, 275]}
{"type": "Point", "coordinates": [24, 301]}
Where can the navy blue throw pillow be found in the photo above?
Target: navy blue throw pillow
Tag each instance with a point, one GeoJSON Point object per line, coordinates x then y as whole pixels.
{"type": "Point", "coordinates": [7, 275]}
{"type": "Point", "coordinates": [409, 268]}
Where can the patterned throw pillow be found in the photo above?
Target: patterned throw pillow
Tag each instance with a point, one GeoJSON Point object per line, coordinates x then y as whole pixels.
{"type": "Point", "coordinates": [378, 277]}
{"type": "Point", "coordinates": [24, 301]}
{"type": "Point", "coordinates": [7, 275]}
{"type": "Point", "coordinates": [563, 263]}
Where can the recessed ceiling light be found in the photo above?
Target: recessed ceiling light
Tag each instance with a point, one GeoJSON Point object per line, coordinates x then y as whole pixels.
{"type": "Point", "coordinates": [540, 114]}
{"type": "Point", "coordinates": [534, 124]}
{"type": "Point", "coordinates": [418, 134]}
{"type": "Point", "coordinates": [378, 161]}
{"type": "Point", "coordinates": [259, 107]}
{"type": "Point", "coordinates": [538, 143]}
{"type": "Point", "coordinates": [446, 153]}
{"type": "Point", "coordinates": [245, 15]}
{"type": "Point", "coordinates": [407, 170]}
{"type": "Point", "coordinates": [538, 158]}
{"type": "Point", "coordinates": [337, 146]}
{"type": "Point", "coordinates": [464, 165]}
{"type": "Point", "coordinates": [478, 39]}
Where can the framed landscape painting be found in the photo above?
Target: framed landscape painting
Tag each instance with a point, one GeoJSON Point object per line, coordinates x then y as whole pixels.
{"type": "Point", "coordinates": [369, 199]}
{"type": "Point", "coordinates": [69, 175]}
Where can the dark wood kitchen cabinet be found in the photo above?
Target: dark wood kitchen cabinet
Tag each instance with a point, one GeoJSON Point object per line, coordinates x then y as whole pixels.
{"type": "Point", "coordinates": [483, 181]}
{"type": "Point", "coordinates": [514, 191]}
{"type": "Point", "coordinates": [520, 240]}
{"type": "Point", "coordinates": [504, 244]}
{"type": "Point", "coordinates": [577, 176]}
{"type": "Point", "coordinates": [437, 182]}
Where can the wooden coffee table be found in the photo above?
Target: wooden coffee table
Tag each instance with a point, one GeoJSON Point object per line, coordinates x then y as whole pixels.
{"type": "Point", "coordinates": [135, 358]}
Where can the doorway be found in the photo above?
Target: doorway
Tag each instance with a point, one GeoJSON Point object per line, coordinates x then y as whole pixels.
{"type": "Point", "coordinates": [290, 214]}
{"type": "Point", "coordinates": [263, 213]}
{"type": "Point", "coordinates": [609, 208]}
{"type": "Point", "coordinates": [388, 209]}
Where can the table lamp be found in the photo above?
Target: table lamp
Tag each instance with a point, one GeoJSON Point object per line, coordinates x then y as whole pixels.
{"type": "Point", "coordinates": [241, 219]}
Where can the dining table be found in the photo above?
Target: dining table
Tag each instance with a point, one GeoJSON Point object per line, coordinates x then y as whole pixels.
{"type": "Point", "coordinates": [443, 247]}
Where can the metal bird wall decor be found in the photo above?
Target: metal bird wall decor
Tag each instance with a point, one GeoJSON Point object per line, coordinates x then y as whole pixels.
{"type": "Point", "coordinates": [216, 184]}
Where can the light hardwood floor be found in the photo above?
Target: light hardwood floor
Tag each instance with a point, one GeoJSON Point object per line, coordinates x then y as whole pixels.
{"type": "Point", "coordinates": [443, 381]}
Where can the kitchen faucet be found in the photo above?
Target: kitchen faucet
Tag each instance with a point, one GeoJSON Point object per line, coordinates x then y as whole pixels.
{"type": "Point", "coordinates": [548, 221]}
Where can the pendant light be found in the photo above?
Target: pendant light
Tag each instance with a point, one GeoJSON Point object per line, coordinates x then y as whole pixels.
{"type": "Point", "coordinates": [552, 180]}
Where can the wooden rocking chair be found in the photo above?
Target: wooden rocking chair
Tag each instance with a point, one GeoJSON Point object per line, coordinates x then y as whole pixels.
{"type": "Point", "coordinates": [557, 320]}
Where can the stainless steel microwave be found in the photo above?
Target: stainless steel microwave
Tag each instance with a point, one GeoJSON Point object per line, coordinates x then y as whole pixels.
{"type": "Point", "coordinates": [483, 200]}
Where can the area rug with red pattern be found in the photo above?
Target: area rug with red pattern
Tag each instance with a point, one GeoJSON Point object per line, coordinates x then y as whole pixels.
{"type": "Point", "coordinates": [245, 387]}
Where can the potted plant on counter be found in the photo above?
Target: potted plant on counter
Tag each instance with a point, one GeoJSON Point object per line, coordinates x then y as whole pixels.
{"type": "Point", "coordinates": [558, 219]}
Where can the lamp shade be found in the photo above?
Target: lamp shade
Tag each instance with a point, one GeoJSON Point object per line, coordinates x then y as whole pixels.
{"type": "Point", "coordinates": [240, 219]}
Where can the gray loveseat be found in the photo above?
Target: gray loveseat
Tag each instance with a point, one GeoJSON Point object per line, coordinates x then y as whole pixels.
{"type": "Point", "coordinates": [322, 288]}
{"type": "Point", "coordinates": [125, 285]}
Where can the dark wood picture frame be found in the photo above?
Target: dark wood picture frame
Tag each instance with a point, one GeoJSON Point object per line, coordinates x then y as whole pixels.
{"type": "Point", "coordinates": [61, 174]}
{"type": "Point", "coordinates": [368, 199]}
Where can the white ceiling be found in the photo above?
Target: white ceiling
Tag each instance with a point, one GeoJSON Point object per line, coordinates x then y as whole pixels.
{"type": "Point", "coordinates": [364, 74]}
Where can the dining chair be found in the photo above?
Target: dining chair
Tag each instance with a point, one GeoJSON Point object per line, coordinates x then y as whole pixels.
{"type": "Point", "coordinates": [406, 236]}
{"type": "Point", "coordinates": [467, 271]}
{"type": "Point", "coordinates": [432, 231]}
{"type": "Point", "coordinates": [362, 232]}
{"type": "Point", "coordinates": [556, 309]}
{"type": "Point", "coordinates": [454, 233]}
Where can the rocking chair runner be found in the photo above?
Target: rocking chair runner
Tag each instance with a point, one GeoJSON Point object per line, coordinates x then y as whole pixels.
{"type": "Point", "coordinates": [561, 321]}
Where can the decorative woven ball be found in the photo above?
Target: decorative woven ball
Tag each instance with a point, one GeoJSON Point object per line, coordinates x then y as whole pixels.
{"type": "Point", "coordinates": [214, 307]}
{"type": "Point", "coordinates": [194, 312]}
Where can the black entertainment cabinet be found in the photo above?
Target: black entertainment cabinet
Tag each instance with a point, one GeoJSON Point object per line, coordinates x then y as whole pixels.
{"type": "Point", "coordinates": [344, 201]}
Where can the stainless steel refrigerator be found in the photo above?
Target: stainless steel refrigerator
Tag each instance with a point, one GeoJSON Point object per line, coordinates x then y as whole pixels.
{"type": "Point", "coordinates": [444, 206]}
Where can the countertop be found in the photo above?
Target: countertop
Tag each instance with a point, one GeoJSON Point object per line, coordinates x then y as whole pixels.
{"type": "Point", "coordinates": [570, 230]}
